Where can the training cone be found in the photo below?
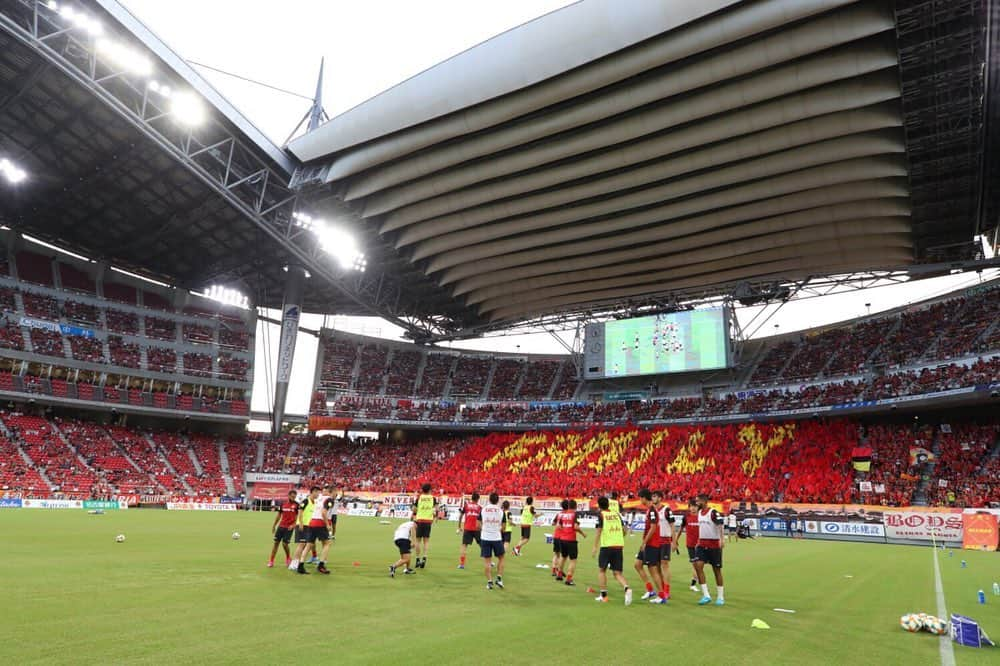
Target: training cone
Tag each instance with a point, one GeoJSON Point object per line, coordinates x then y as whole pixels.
{"type": "Point", "coordinates": [759, 624]}
{"type": "Point", "coordinates": [357, 564]}
{"type": "Point", "coordinates": [591, 590]}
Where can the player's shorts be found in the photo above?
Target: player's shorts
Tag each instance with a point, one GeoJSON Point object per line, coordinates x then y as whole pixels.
{"type": "Point", "coordinates": [610, 558]}
{"type": "Point", "coordinates": [556, 546]}
{"type": "Point", "coordinates": [730, 530]}
{"type": "Point", "coordinates": [423, 530]}
{"type": "Point", "coordinates": [404, 546]}
{"type": "Point", "coordinates": [283, 534]}
{"type": "Point", "coordinates": [506, 537]}
{"type": "Point", "coordinates": [711, 556]}
{"type": "Point", "coordinates": [319, 533]}
{"type": "Point", "coordinates": [468, 536]}
{"type": "Point", "coordinates": [525, 531]}
{"type": "Point", "coordinates": [333, 519]}
{"type": "Point", "coordinates": [568, 549]}
{"type": "Point", "coordinates": [650, 556]}
{"type": "Point", "coordinates": [665, 552]}
{"type": "Point", "coordinates": [303, 534]}
{"type": "Point", "coordinates": [692, 553]}
{"type": "Point", "coordinates": [491, 549]}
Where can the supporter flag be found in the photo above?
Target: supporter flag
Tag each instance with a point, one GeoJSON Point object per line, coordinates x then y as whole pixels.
{"type": "Point", "coordinates": [919, 455]}
{"type": "Point", "coordinates": [980, 531]}
{"type": "Point", "coordinates": [942, 483]}
{"type": "Point", "coordinates": [865, 486]}
{"type": "Point", "coordinates": [861, 458]}
{"type": "Point", "coordinates": [880, 488]}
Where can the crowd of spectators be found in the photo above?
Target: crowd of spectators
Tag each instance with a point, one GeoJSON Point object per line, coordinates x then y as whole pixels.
{"type": "Point", "coordinates": [197, 364]}
{"type": "Point", "coordinates": [124, 354]}
{"type": "Point", "coordinates": [338, 363]}
{"type": "Point", "coordinates": [40, 305]}
{"type": "Point", "coordinates": [86, 349]}
{"type": "Point", "coordinates": [159, 328]}
{"type": "Point", "coordinates": [46, 342]}
{"type": "Point", "coordinates": [82, 313]}
{"type": "Point", "coordinates": [371, 369]}
{"type": "Point", "coordinates": [125, 323]}
{"type": "Point", "coordinates": [232, 367]}
{"type": "Point", "coordinates": [160, 359]}
{"type": "Point", "coordinates": [538, 379]}
{"type": "Point", "coordinates": [470, 376]}
{"type": "Point", "coordinates": [197, 334]}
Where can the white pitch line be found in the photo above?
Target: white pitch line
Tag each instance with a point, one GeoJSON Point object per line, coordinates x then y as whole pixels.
{"type": "Point", "coordinates": [945, 647]}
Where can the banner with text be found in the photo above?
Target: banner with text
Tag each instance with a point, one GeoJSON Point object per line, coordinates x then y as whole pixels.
{"type": "Point", "coordinates": [51, 504]}
{"type": "Point", "coordinates": [923, 525]}
{"type": "Point", "coordinates": [199, 506]}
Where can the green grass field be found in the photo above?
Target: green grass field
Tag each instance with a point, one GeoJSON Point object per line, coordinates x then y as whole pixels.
{"type": "Point", "coordinates": [180, 591]}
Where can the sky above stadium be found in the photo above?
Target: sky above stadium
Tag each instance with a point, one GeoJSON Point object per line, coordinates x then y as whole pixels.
{"type": "Point", "coordinates": [370, 46]}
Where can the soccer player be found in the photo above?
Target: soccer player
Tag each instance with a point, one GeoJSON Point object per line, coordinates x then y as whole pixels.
{"type": "Point", "coordinates": [527, 520]}
{"type": "Point", "coordinates": [689, 527]}
{"type": "Point", "coordinates": [610, 536]}
{"type": "Point", "coordinates": [470, 526]}
{"type": "Point", "coordinates": [665, 521]}
{"type": "Point", "coordinates": [508, 524]}
{"type": "Point", "coordinates": [424, 518]}
{"type": "Point", "coordinates": [319, 525]}
{"type": "Point", "coordinates": [568, 523]}
{"type": "Point", "coordinates": [283, 526]}
{"type": "Point", "coordinates": [557, 545]}
{"type": "Point", "coordinates": [730, 527]}
{"type": "Point", "coordinates": [648, 557]}
{"type": "Point", "coordinates": [492, 520]}
{"type": "Point", "coordinates": [404, 537]}
{"type": "Point", "coordinates": [303, 535]}
{"type": "Point", "coordinates": [339, 501]}
{"type": "Point", "coordinates": [710, 545]}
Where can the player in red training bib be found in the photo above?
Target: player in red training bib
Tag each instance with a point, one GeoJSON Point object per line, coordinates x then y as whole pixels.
{"type": "Point", "coordinates": [284, 525]}
{"type": "Point", "coordinates": [567, 526]}
{"type": "Point", "coordinates": [469, 518]}
{"type": "Point", "coordinates": [689, 527]}
{"type": "Point", "coordinates": [648, 557]}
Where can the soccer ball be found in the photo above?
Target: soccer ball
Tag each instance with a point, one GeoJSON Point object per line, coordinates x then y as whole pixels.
{"type": "Point", "coordinates": [936, 626]}
{"type": "Point", "coordinates": [120, 538]}
{"type": "Point", "coordinates": [910, 622]}
{"type": "Point", "coordinates": [236, 536]}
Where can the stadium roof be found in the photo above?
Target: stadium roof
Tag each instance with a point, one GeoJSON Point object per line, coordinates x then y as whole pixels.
{"type": "Point", "coordinates": [605, 153]}
{"type": "Point", "coordinates": [113, 176]}
{"type": "Point", "coordinates": [612, 151]}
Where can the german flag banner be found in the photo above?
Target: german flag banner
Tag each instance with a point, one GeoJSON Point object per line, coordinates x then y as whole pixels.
{"type": "Point", "coordinates": [980, 531]}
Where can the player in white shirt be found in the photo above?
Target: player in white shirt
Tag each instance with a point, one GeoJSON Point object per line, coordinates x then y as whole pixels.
{"type": "Point", "coordinates": [491, 522]}
{"type": "Point", "coordinates": [710, 544]}
{"type": "Point", "coordinates": [404, 537]}
{"type": "Point", "coordinates": [730, 527]}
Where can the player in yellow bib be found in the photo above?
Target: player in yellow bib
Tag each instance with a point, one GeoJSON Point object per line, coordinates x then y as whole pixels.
{"type": "Point", "coordinates": [424, 515]}
{"type": "Point", "coordinates": [527, 520]}
{"type": "Point", "coordinates": [610, 538]}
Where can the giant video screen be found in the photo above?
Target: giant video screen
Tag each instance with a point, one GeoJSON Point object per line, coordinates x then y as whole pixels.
{"type": "Point", "coordinates": [676, 342]}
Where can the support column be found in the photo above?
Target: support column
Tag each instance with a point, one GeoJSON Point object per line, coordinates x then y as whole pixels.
{"type": "Point", "coordinates": [291, 309]}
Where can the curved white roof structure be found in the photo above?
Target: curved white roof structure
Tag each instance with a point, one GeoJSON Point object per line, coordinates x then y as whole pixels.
{"type": "Point", "coordinates": [619, 149]}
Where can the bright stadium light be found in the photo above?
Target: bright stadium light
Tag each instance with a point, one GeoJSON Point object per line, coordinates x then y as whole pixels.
{"type": "Point", "coordinates": [342, 247]}
{"type": "Point", "coordinates": [187, 109]}
{"type": "Point", "coordinates": [12, 172]}
{"type": "Point", "coordinates": [227, 296]}
{"type": "Point", "coordinates": [125, 57]}
{"type": "Point", "coordinates": [303, 220]}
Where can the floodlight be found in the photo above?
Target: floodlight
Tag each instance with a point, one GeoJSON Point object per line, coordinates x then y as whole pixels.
{"type": "Point", "coordinates": [227, 296]}
{"type": "Point", "coordinates": [52, 5]}
{"type": "Point", "coordinates": [125, 57]}
{"type": "Point", "coordinates": [12, 172]}
{"type": "Point", "coordinates": [187, 109]}
{"type": "Point", "coordinates": [340, 245]}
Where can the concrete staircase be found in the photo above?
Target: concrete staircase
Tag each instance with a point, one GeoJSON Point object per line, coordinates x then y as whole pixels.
{"type": "Point", "coordinates": [227, 475]}
{"type": "Point", "coordinates": [166, 463]}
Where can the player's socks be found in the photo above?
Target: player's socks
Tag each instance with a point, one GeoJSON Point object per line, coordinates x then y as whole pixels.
{"type": "Point", "coordinates": [704, 590]}
{"type": "Point", "coordinates": [392, 571]}
{"type": "Point", "coordinates": [302, 569]}
{"type": "Point", "coordinates": [294, 564]}
{"type": "Point", "coordinates": [628, 596]}
{"type": "Point", "coordinates": [720, 594]}
{"type": "Point", "coordinates": [489, 585]}
{"type": "Point", "coordinates": [694, 582]}
{"type": "Point", "coordinates": [500, 582]}
{"type": "Point", "coordinates": [461, 560]}
{"type": "Point", "coordinates": [604, 593]}
{"type": "Point", "coordinates": [649, 587]}
{"type": "Point", "coordinates": [288, 561]}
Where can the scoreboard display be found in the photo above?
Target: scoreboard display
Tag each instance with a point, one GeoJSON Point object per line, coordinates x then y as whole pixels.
{"type": "Point", "coordinates": [658, 344]}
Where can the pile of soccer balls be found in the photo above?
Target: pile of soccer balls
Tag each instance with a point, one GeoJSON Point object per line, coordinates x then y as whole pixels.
{"type": "Point", "coordinates": [120, 538]}
{"type": "Point", "coordinates": [914, 622]}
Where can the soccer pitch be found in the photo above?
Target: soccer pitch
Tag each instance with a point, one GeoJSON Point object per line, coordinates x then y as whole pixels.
{"type": "Point", "coordinates": [180, 590]}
